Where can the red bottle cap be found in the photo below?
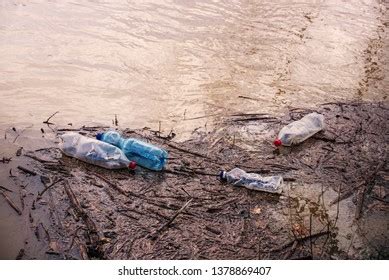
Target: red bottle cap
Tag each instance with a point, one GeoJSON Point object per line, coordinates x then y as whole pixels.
{"type": "Point", "coordinates": [277, 142]}
{"type": "Point", "coordinates": [132, 165]}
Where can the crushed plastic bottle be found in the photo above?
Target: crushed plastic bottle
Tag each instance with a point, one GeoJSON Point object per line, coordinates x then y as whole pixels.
{"type": "Point", "coordinates": [238, 177]}
{"type": "Point", "coordinates": [143, 153]}
{"type": "Point", "coordinates": [94, 151]}
{"type": "Point", "coordinates": [298, 131]}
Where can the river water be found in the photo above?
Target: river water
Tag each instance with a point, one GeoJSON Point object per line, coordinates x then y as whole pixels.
{"type": "Point", "coordinates": [172, 61]}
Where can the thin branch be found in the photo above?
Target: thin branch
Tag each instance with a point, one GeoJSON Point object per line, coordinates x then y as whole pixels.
{"type": "Point", "coordinates": [49, 186]}
{"type": "Point", "coordinates": [5, 189]}
{"type": "Point", "coordinates": [165, 225]}
{"type": "Point", "coordinates": [33, 173]}
{"type": "Point", "coordinates": [11, 203]}
{"type": "Point", "coordinates": [48, 119]}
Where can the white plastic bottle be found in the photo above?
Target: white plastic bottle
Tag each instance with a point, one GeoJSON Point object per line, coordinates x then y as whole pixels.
{"type": "Point", "coordinates": [298, 131]}
{"type": "Point", "coordinates": [238, 177]}
{"type": "Point", "coordinates": [94, 151]}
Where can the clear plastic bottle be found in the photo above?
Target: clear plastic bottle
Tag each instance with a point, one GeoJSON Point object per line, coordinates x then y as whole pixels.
{"type": "Point", "coordinates": [143, 153]}
{"type": "Point", "coordinates": [94, 151]}
{"type": "Point", "coordinates": [298, 131]}
{"type": "Point", "coordinates": [252, 181]}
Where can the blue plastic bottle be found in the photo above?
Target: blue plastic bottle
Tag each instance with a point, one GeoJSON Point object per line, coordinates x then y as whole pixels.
{"type": "Point", "coordinates": [144, 154]}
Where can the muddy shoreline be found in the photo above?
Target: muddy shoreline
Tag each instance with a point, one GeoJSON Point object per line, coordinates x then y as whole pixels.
{"type": "Point", "coordinates": [334, 206]}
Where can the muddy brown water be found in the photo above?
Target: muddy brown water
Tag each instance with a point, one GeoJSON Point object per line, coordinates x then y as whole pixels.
{"type": "Point", "coordinates": [182, 66]}
{"type": "Point", "coordinates": [151, 61]}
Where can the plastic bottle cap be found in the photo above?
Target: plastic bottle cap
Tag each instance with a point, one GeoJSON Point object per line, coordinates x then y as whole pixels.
{"type": "Point", "coordinates": [277, 142]}
{"type": "Point", "coordinates": [132, 165]}
{"type": "Point", "coordinates": [99, 136]}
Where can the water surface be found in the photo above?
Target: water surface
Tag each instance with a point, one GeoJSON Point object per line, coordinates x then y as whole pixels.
{"type": "Point", "coordinates": [151, 61]}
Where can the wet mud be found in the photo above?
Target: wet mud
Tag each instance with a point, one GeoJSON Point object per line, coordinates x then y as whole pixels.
{"type": "Point", "coordinates": [334, 204]}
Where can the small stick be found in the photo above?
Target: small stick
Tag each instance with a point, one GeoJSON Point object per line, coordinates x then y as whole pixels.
{"type": "Point", "coordinates": [68, 129]}
{"type": "Point", "coordinates": [165, 225]}
{"type": "Point", "coordinates": [360, 199]}
{"type": "Point", "coordinates": [362, 192]}
{"type": "Point", "coordinates": [379, 199]}
{"type": "Point", "coordinates": [337, 207]}
{"type": "Point", "coordinates": [254, 119]}
{"type": "Point", "coordinates": [292, 250]}
{"type": "Point", "coordinates": [33, 173]}
{"type": "Point", "coordinates": [346, 194]}
{"type": "Point", "coordinates": [46, 231]}
{"type": "Point", "coordinates": [186, 192]}
{"type": "Point", "coordinates": [248, 114]}
{"type": "Point", "coordinates": [39, 159]}
{"type": "Point", "coordinates": [49, 186]}
{"type": "Point", "coordinates": [186, 151]}
{"type": "Point", "coordinates": [21, 195]}
{"type": "Point", "coordinates": [245, 97]}
{"type": "Point", "coordinates": [5, 189]}
{"type": "Point", "coordinates": [201, 117]}
{"type": "Point", "coordinates": [119, 189]}
{"type": "Point", "coordinates": [310, 234]}
{"type": "Point", "coordinates": [74, 201]}
{"type": "Point", "coordinates": [11, 203]}
{"type": "Point", "coordinates": [191, 171]}
{"type": "Point", "coordinates": [213, 230]}
{"type": "Point", "coordinates": [47, 121]}
{"type": "Point", "coordinates": [17, 136]}
{"type": "Point", "coordinates": [302, 239]}
{"type": "Point", "coordinates": [74, 236]}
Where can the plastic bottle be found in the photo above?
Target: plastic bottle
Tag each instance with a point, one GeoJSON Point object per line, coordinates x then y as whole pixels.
{"type": "Point", "coordinates": [298, 131]}
{"type": "Point", "coordinates": [238, 177]}
{"type": "Point", "coordinates": [93, 151]}
{"type": "Point", "coordinates": [144, 154]}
